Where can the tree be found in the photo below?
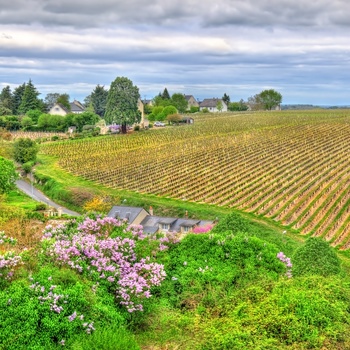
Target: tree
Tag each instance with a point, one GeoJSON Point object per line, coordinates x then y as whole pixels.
{"type": "Point", "coordinates": [30, 99]}
{"type": "Point", "coordinates": [238, 106]}
{"type": "Point", "coordinates": [8, 175]}
{"type": "Point", "coordinates": [51, 99]}
{"type": "Point", "coordinates": [34, 114]}
{"type": "Point", "coordinates": [174, 118]}
{"type": "Point", "coordinates": [165, 94]}
{"type": "Point", "coordinates": [6, 99]}
{"type": "Point", "coordinates": [219, 106]}
{"type": "Point", "coordinates": [179, 102]}
{"type": "Point", "coordinates": [17, 97]}
{"type": "Point", "coordinates": [98, 98]}
{"type": "Point", "coordinates": [167, 111]}
{"type": "Point", "coordinates": [63, 99]}
{"type": "Point", "coordinates": [255, 103]}
{"type": "Point", "coordinates": [25, 150]}
{"type": "Point", "coordinates": [121, 107]}
{"type": "Point", "coordinates": [226, 99]}
{"type": "Point", "coordinates": [26, 122]}
{"type": "Point", "coordinates": [270, 98]}
{"type": "Point", "coordinates": [85, 118]}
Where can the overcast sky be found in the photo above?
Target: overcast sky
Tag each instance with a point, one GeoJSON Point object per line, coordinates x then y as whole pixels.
{"type": "Point", "coordinates": [200, 47]}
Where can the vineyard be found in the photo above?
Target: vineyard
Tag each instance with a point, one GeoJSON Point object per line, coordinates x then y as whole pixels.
{"type": "Point", "coordinates": [293, 167]}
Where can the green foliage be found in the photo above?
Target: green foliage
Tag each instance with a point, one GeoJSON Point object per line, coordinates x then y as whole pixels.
{"type": "Point", "coordinates": [121, 106]}
{"type": "Point", "coordinates": [30, 99]}
{"type": "Point", "coordinates": [27, 167]}
{"type": "Point", "coordinates": [167, 111]}
{"type": "Point", "coordinates": [232, 223]}
{"type": "Point", "coordinates": [203, 262]}
{"type": "Point", "coordinates": [25, 150]}
{"type": "Point", "coordinates": [165, 94]}
{"type": "Point", "coordinates": [108, 338]}
{"type": "Point", "coordinates": [17, 97]}
{"type": "Point", "coordinates": [219, 106]}
{"type": "Point", "coordinates": [157, 113]}
{"type": "Point", "coordinates": [6, 101]}
{"type": "Point", "coordinates": [98, 98]}
{"type": "Point", "coordinates": [270, 98]}
{"type": "Point", "coordinates": [179, 101]}
{"type": "Point", "coordinates": [34, 114]}
{"type": "Point", "coordinates": [63, 99]}
{"type": "Point", "coordinates": [237, 106]}
{"type": "Point", "coordinates": [226, 98]}
{"type": "Point", "coordinates": [32, 319]}
{"type": "Point", "coordinates": [194, 109]}
{"type": "Point", "coordinates": [26, 122]}
{"type": "Point", "coordinates": [297, 314]}
{"type": "Point", "coordinates": [8, 175]}
{"type": "Point", "coordinates": [316, 257]}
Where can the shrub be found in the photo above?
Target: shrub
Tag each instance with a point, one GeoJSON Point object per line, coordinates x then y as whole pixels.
{"type": "Point", "coordinates": [316, 257]}
{"type": "Point", "coordinates": [232, 223]}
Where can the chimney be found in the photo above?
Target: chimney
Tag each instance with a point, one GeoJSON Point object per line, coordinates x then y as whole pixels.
{"type": "Point", "coordinates": [150, 210]}
{"type": "Point", "coordinates": [186, 214]}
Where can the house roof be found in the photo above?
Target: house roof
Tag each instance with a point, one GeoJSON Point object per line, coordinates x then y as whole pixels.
{"type": "Point", "coordinates": [76, 106]}
{"type": "Point", "coordinates": [151, 223]}
{"type": "Point", "coordinates": [211, 102]}
{"type": "Point", "coordinates": [122, 212]}
{"type": "Point", "coordinates": [187, 97]}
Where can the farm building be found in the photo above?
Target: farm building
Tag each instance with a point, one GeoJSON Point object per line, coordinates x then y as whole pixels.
{"type": "Point", "coordinates": [212, 104]}
{"type": "Point", "coordinates": [153, 224]}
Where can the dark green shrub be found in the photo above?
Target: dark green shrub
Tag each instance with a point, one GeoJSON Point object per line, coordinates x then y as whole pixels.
{"type": "Point", "coordinates": [316, 257]}
{"type": "Point", "coordinates": [232, 223]}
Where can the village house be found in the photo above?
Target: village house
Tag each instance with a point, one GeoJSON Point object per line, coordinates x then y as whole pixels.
{"type": "Point", "coordinates": [75, 107]}
{"type": "Point", "coordinates": [212, 104]}
{"type": "Point", "coordinates": [154, 224]}
{"type": "Point", "coordinates": [191, 101]}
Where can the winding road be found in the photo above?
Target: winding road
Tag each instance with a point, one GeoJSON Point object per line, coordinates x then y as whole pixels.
{"type": "Point", "coordinates": [34, 193]}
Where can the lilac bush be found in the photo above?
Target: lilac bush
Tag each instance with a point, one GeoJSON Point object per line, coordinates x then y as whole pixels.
{"type": "Point", "coordinates": [287, 262]}
{"type": "Point", "coordinates": [111, 261]}
{"type": "Point", "coordinates": [8, 260]}
{"type": "Point", "coordinates": [202, 229]}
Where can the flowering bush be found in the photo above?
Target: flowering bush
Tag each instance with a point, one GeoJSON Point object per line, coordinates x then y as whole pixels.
{"type": "Point", "coordinates": [287, 262]}
{"type": "Point", "coordinates": [9, 260]}
{"type": "Point", "coordinates": [111, 261]}
{"type": "Point", "coordinates": [202, 229]}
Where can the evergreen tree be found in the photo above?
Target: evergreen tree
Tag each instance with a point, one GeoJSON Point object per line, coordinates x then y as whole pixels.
{"type": "Point", "coordinates": [30, 99]}
{"type": "Point", "coordinates": [6, 98]}
{"type": "Point", "coordinates": [226, 99]}
{"type": "Point", "coordinates": [121, 104]}
{"type": "Point", "coordinates": [165, 94]}
{"type": "Point", "coordinates": [17, 97]}
{"type": "Point", "coordinates": [98, 98]}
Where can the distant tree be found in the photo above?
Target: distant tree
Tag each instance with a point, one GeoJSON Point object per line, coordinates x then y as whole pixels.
{"type": "Point", "coordinates": [50, 100]}
{"type": "Point", "coordinates": [18, 93]}
{"type": "Point", "coordinates": [160, 101]}
{"type": "Point", "coordinates": [26, 122]}
{"type": "Point", "coordinates": [157, 112]}
{"type": "Point", "coordinates": [4, 110]}
{"type": "Point", "coordinates": [30, 99]}
{"type": "Point", "coordinates": [34, 114]}
{"type": "Point", "coordinates": [165, 94]}
{"type": "Point", "coordinates": [25, 150]}
{"type": "Point", "coordinates": [98, 99]}
{"type": "Point", "coordinates": [121, 106]}
{"type": "Point", "coordinates": [255, 103]}
{"type": "Point", "coordinates": [85, 118]}
{"type": "Point", "coordinates": [6, 99]}
{"type": "Point", "coordinates": [219, 106]}
{"type": "Point", "coordinates": [270, 98]}
{"type": "Point", "coordinates": [167, 111]}
{"type": "Point", "coordinates": [8, 175]}
{"type": "Point", "coordinates": [174, 118]}
{"type": "Point", "coordinates": [179, 102]}
{"type": "Point", "coordinates": [63, 99]}
{"type": "Point", "coordinates": [238, 106]}
{"type": "Point", "coordinates": [226, 98]}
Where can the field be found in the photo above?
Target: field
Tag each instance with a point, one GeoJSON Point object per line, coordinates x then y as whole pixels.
{"type": "Point", "coordinates": [290, 166]}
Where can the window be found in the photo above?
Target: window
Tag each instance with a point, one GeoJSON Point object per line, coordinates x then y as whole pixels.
{"type": "Point", "coordinates": [186, 228]}
{"type": "Point", "coordinates": [165, 227]}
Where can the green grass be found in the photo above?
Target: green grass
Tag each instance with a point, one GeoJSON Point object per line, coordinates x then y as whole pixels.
{"type": "Point", "coordinates": [18, 199]}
